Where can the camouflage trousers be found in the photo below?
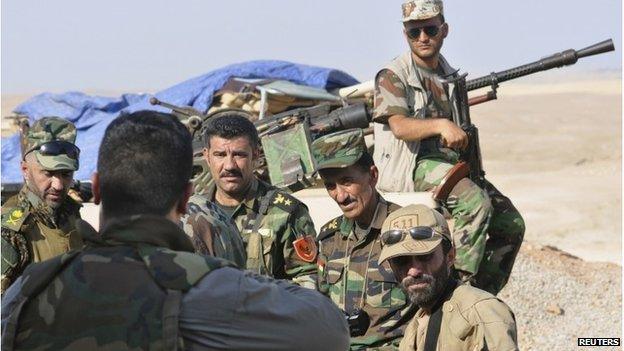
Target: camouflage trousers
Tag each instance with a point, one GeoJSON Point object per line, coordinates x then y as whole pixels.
{"type": "Point", "coordinates": [487, 231]}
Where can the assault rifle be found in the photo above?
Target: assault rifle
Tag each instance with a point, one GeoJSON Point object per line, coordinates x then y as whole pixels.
{"type": "Point", "coordinates": [470, 164]}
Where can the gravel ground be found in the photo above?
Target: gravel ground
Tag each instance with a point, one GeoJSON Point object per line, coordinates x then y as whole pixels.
{"type": "Point", "coordinates": [558, 298]}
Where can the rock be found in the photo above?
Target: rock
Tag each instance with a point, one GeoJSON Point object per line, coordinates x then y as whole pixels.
{"type": "Point", "coordinates": [555, 309]}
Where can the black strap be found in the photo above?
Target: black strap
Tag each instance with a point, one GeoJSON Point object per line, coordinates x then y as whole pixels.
{"type": "Point", "coordinates": [435, 320]}
{"type": "Point", "coordinates": [433, 330]}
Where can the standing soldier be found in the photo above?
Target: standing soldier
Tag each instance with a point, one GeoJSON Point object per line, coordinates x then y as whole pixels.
{"type": "Point", "coordinates": [412, 111]}
{"type": "Point", "coordinates": [276, 228]}
{"type": "Point", "coordinates": [349, 269]}
{"type": "Point", "coordinates": [40, 222]}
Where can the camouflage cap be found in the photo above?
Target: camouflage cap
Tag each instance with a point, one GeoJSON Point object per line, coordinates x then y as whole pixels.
{"type": "Point", "coordinates": [45, 130]}
{"type": "Point", "coordinates": [339, 150]}
{"type": "Point", "coordinates": [416, 10]}
{"type": "Point", "coordinates": [409, 217]}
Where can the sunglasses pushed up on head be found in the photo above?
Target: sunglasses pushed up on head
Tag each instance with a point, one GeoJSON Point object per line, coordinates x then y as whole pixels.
{"type": "Point", "coordinates": [57, 147]}
{"type": "Point", "coordinates": [394, 236]}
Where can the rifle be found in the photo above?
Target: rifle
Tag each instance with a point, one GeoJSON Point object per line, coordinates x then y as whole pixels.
{"type": "Point", "coordinates": [470, 164]}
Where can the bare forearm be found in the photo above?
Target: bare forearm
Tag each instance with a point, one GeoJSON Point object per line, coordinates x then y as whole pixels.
{"type": "Point", "coordinates": [413, 129]}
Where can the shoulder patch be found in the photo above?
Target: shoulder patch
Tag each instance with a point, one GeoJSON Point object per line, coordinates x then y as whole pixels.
{"type": "Point", "coordinates": [284, 201]}
{"type": "Point", "coordinates": [330, 228]}
{"type": "Point", "coordinates": [13, 217]}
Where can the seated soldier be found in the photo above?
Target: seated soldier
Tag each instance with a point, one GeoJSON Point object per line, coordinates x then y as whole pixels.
{"type": "Point", "coordinates": [451, 316]}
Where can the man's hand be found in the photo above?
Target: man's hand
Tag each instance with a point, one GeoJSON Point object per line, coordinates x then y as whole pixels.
{"type": "Point", "coordinates": [451, 135]}
{"type": "Point", "coordinates": [411, 129]}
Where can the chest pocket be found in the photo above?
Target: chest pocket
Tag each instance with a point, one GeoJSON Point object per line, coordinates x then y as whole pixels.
{"type": "Point", "coordinates": [334, 268]}
{"type": "Point", "coordinates": [259, 250]}
{"type": "Point", "coordinates": [382, 289]}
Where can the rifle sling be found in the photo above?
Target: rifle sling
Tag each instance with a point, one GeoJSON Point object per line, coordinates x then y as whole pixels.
{"type": "Point", "coordinates": [435, 320]}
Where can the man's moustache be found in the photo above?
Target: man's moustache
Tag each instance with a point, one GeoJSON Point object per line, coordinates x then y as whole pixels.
{"type": "Point", "coordinates": [425, 278]}
{"type": "Point", "coordinates": [231, 174]}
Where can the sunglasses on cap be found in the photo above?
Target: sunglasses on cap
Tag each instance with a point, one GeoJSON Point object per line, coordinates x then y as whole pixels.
{"type": "Point", "coordinates": [431, 31]}
{"type": "Point", "coordinates": [394, 236]}
{"type": "Point", "coordinates": [58, 147]}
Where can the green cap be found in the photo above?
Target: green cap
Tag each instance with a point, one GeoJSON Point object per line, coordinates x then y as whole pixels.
{"type": "Point", "coordinates": [339, 150]}
{"type": "Point", "coordinates": [45, 130]}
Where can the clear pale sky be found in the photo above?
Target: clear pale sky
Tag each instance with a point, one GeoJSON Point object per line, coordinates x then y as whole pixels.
{"type": "Point", "coordinates": [140, 45]}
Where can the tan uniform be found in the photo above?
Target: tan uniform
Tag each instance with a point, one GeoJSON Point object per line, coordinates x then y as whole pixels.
{"type": "Point", "coordinates": [30, 233]}
{"type": "Point", "coordinates": [472, 319]}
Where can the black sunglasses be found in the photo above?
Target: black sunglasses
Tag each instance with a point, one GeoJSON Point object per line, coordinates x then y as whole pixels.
{"type": "Point", "coordinates": [58, 147]}
{"type": "Point", "coordinates": [431, 31]}
{"type": "Point", "coordinates": [394, 236]}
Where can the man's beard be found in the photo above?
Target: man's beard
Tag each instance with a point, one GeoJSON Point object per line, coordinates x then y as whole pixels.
{"type": "Point", "coordinates": [52, 206]}
{"type": "Point", "coordinates": [429, 294]}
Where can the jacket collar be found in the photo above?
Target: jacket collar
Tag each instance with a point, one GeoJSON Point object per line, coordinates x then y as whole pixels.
{"type": "Point", "coordinates": [251, 197]}
{"type": "Point", "coordinates": [413, 77]}
{"type": "Point", "coordinates": [381, 212]}
{"type": "Point", "coordinates": [136, 230]}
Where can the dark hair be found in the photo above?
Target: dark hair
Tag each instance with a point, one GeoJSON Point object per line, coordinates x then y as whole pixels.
{"type": "Point", "coordinates": [229, 126]}
{"type": "Point", "coordinates": [144, 164]}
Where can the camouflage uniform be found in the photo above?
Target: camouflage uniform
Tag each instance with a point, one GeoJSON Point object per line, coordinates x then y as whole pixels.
{"type": "Point", "coordinates": [350, 274]}
{"type": "Point", "coordinates": [349, 271]}
{"type": "Point", "coordinates": [212, 232]}
{"type": "Point", "coordinates": [470, 318]}
{"type": "Point", "coordinates": [403, 88]}
{"type": "Point", "coordinates": [152, 258]}
{"type": "Point", "coordinates": [269, 240]}
{"type": "Point", "coordinates": [31, 230]}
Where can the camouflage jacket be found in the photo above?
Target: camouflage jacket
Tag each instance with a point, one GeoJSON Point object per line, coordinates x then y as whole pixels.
{"type": "Point", "coordinates": [472, 319]}
{"type": "Point", "coordinates": [349, 273]}
{"type": "Point", "coordinates": [212, 231]}
{"type": "Point", "coordinates": [123, 291]}
{"type": "Point", "coordinates": [403, 88]}
{"type": "Point", "coordinates": [270, 222]}
{"type": "Point", "coordinates": [31, 233]}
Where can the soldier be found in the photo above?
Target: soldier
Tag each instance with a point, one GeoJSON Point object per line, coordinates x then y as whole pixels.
{"type": "Point", "coordinates": [349, 270]}
{"type": "Point", "coordinates": [276, 228]}
{"type": "Point", "coordinates": [40, 222]}
{"type": "Point", "coordinates": [138, 285]}
{"type": "Point", "coordinates": [412, 112]}
{"type": "Point", "coordinates": [417, 242]}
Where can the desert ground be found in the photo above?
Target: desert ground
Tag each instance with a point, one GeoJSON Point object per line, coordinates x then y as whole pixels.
{"type": "Point", "coordinates": [554, 147]}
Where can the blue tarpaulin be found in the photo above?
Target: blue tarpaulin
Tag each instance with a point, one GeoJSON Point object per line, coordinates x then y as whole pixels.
{"type": "Point", "coordinates": [92, 114]}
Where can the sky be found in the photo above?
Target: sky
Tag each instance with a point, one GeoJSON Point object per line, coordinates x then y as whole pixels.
{"type": "Point", "coordinates": [146, 46]}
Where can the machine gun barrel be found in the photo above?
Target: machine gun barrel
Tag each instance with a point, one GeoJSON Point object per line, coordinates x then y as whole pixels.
{"type": "Point", "coordinates": [564, 58]}
{"type": "Point", "coordinates": [190, 116]}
